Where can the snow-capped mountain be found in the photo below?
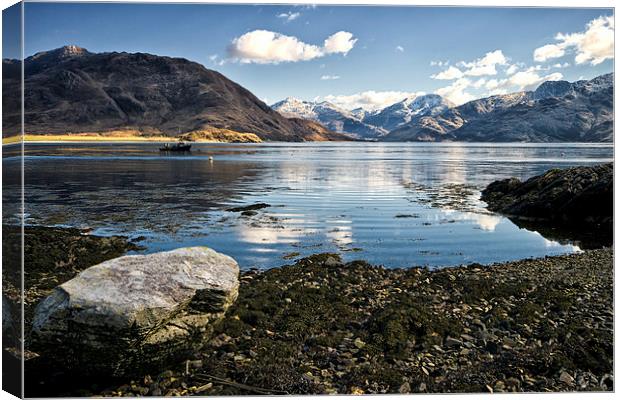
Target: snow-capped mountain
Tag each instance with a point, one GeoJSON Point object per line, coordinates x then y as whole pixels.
{"type": "Point", "coordinates": [557, 111]}
{"type": "Point", "coordinates": [295, 108]}
{"type": "Point", "coordinates": [361, 123]}
{"type": "Point", "coordinates": [333, 117]}
{"type": "Point", "coordinates": [404, 111]}
{"type": "Point", "coordinates": [360, 113]}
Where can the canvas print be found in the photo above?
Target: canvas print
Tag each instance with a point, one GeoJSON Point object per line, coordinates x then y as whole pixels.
{"type": "Point", "coordinates": [298, 199]}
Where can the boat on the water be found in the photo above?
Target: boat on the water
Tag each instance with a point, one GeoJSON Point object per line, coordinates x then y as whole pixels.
{"type": "Point", "coordinates": [179, 147]}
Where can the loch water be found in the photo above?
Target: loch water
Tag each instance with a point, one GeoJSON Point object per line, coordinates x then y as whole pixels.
{"type": "Point", "coordinates": [393, 204]}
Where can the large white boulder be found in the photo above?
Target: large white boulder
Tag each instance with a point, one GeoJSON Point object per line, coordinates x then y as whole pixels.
{"type": "Point", "coordinates": [136, 312]}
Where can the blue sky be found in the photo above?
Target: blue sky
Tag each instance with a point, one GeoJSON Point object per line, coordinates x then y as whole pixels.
{"type": "Point", "coordinates": [377, 54]}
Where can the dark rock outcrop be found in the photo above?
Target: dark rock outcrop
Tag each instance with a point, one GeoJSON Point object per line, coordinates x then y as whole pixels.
{"type": "Point", "coordinates": [71, 90]}
{"type": "Point", "coordinates": [579, 197]}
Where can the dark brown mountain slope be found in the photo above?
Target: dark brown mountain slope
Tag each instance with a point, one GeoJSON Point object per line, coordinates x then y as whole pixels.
{"type": "Point", "coordinates": [70, 90]}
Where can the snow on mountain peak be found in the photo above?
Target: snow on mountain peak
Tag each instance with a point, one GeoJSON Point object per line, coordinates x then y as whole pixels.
{"type": "Point", "coordinates": [404, 111]}
{"type": "Point", "coordinates": [374, 123]}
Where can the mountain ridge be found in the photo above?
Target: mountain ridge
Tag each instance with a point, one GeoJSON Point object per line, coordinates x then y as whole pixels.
{"type": "Point", "coordinates": [408, 109]}
{"type": "Point", "coordinates": [557, 111]}
{"type": "Point", "coordinates": [70, 90]}
{"type": "Point", "coordinates": [328, 114]}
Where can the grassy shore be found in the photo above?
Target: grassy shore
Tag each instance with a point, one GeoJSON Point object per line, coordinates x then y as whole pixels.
{"type": "Point", "coordinates": [85, 138]}
{"type": "Point", "coordinates": [208, 135]}
{"type": "Point", "coordinates": [324, 326]}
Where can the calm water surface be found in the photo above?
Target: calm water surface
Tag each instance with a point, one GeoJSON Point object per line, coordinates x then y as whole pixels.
{"type": "Point", "coordinates": [393, 204]}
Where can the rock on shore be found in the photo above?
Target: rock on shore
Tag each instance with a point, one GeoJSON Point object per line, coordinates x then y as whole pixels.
{"type": "Point", "coordinates": [580, 196]}
{"type": "Point", "coordinates": [136, 312]}
{"type": "Point", "coordinates": [52, 255]}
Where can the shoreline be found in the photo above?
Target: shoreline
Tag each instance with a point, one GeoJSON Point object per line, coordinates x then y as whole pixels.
{"type": "Point", "coordinates": [46, 139]}
{"type": "Point", "coordinates": [53, 139]}
{"type": "Point", "coordinates": [319, 325]}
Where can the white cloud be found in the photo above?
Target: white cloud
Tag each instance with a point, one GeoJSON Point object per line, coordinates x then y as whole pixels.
{"type": "Point", "coordinates": [485, 65]}
{"type": "Point", "coordinates": [492, 84]}
{"type": "Point", "coordinates": [448, 74]}
{"type": "Point", "coordinates": [493, 58]}
{"type": "Point", "coordinates": [266, 47]}
{"type": "Point", "coordinates": [329, 77]}
{"type": "Point", "coordinates": [289, 16]}
{"type": "Point", "coordinates": [564, 65]}
{"type": "Point", "coordinates": [400, 48]}
{"type": "Point", "coordinates": [456, 91]}
{"type": "Point", "coordinates": [516, 77]}
{"type": "Point", "coordinates": [548, 51]}
{"type": "Point", "coordinates": [481, 70]}
{"type": "Point", "coordinates": [556, 76]}
{"type": "Point", "coordinates": [479, 83]}
{"type": "Point", "coordinates": [439, 63]}
{"type": "Point", "coordinates": [594, 45]}
{"type": "Point", "coordinates": [524, 79]}
{"type": "Point", "coordinates": [539, 67]}
{"type": "Point", "coordinates": [339, 42]}
{"type": "Point", "coordinates": [215, 59]}
{"type": "Point", "coordinates": [370, 100]}
{"type": "Point", "coordinates": [528, 79]}
{"type": "Point", "coordinates": [512, 69]}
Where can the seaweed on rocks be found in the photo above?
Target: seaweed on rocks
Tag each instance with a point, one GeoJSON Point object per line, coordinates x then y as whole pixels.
{"type": "Point", "coordinates": [52, 256]}
{"type": "Point", "coordinates": [320, 325]}
{"type": "Point", "coordinates": [571, 203]}
{"type": "Point", "coordinates": [324, 326]}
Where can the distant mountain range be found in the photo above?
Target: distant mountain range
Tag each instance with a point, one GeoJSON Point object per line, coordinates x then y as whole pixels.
{"type": "Point", "coordinates": [408, 110]}
{"type": "Point", "coordinates": [557, 111]}
{"type": "Point", "coordinates": [364, 124]}
{"type": "Point", "coordinates": [333, 117]}
{"type": "Point", "coordinates": [71, 90]}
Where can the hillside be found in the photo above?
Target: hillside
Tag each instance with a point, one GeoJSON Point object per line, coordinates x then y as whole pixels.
{"type": "Point", "coordinates": [70, 90]}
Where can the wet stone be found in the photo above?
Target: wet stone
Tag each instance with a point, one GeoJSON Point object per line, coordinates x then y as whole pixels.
{"type": "Point", "coordinates": [144, 310]}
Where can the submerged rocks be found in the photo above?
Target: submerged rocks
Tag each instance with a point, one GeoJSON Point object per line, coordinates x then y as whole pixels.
{"type": "Point", "coordinates": [251, 207]}
{"type": "Point", "coordinates": [580, 196]}
{"type": "Point", "coordinates": [136, 312]}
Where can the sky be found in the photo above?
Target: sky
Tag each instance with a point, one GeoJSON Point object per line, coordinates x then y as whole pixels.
{"type": "Point", "coordinates": [354, 56]}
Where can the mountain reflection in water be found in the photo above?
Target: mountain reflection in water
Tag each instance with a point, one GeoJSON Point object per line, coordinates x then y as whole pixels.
{"type": "Point", "coordinates": [393, 204]}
